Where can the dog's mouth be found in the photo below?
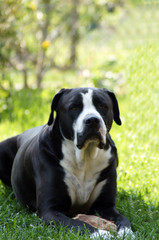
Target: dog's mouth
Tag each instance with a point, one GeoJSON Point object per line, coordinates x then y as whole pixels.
{"type": "Point", "coordinates": [91, 136]}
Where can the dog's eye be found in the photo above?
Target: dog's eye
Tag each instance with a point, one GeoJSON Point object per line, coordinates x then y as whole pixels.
{"type": "Point", "coordinates": [74, 107]}
{"type": "Point", "coordinates": [103, 106]}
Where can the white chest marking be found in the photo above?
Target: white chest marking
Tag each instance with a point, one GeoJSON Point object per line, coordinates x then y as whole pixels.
{"type": "Point", "coordinates": [81, 178]}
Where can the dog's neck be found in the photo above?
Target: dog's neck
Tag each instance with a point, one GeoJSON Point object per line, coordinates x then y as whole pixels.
{"type": "Point", "coordinates": [88, 153]}
{"type": "Point", "coordinates": [80, 156]}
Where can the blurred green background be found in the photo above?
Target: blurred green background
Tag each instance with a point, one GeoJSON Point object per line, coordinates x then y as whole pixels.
{"type": "Point", "coordinates": [46, 45]}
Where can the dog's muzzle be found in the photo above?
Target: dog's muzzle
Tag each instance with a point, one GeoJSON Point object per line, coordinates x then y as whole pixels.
{"type": "Point", "coordinates": [93, 131]}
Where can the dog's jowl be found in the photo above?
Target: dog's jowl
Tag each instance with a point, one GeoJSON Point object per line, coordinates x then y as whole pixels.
{"type": "Point", "coordinates": [67, 166]}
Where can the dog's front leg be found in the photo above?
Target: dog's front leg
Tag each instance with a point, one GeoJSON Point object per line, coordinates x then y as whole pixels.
{"type": "Point", "coordinates": [105, 204]}
{"type": "Point", "coordinates": [60, 219]}
{"type": "Point", "coordinates": [111, 214]}
{"type": "Point", "coordinates": [54, 203]}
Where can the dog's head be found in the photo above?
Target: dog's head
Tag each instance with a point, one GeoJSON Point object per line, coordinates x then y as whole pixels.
{"type": "Point", "coordinates": [85, 115]}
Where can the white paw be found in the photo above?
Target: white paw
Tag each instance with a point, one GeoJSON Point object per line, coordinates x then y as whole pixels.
{"type": "Point", "coordinates": [126, 232]}
{"type": "Point", "coordinates": [101, 233]}
{"type": "Point", "coordinates": [122, 234]}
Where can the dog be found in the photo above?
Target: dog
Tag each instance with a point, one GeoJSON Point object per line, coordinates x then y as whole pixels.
{"type": "Point", "coordinates": [68, 165]}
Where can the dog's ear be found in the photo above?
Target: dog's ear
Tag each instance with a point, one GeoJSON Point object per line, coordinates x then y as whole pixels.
{"type": "Point", "coordinates": [54, 104]}
{"type": "Point", "coordinates": [115, 107]}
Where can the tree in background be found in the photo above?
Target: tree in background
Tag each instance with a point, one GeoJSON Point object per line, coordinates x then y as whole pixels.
{"type": "Point", "coordinates": [9, 15]}
{"type": "Point", "coordinates": [32, 34]}
{"type": "Point", "coordinates": [39, 35]}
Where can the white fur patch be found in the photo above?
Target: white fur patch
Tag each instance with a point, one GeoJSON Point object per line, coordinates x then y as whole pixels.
{"type": "Point", "coordinates": [101, 233]}
{"type": "Point", "coordinates": [88, 108]}
{"type": "Point", "coordinates": [125, 233]}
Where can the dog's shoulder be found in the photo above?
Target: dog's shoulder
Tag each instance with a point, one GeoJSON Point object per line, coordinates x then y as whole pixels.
{"type": "Point", "coordinates": [28, 135]}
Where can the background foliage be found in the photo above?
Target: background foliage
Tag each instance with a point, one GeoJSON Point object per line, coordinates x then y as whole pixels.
{"type": "Point", "coordinates": [47, 45]}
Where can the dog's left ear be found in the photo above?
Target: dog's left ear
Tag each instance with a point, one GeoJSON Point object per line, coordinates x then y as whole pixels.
{"type": "Point", "coordinates": [115, 107]}
{"type": "Point", "coordinates": [54, 105]}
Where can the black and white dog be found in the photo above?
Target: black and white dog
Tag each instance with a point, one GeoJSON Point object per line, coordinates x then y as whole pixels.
{"type": "Point", "coordinates": [67, 166]}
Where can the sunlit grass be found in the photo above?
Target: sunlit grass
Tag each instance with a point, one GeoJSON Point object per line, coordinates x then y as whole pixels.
{"type": "Point", "coordinates": [139, 135]}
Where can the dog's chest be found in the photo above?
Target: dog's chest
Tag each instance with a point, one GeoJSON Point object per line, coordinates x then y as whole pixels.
{"type": "Point", "coordinates": [82, 173]}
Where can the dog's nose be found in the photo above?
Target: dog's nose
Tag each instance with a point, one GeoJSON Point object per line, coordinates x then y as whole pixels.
{"type": "Point", "coordinates": [92, 121]}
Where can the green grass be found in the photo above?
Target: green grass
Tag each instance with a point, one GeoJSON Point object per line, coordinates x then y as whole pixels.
{"type": "Point", "coordinates": [135, 79]}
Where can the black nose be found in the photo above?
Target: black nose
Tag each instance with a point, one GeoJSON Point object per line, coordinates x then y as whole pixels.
{"type": "Point", "coordinates": [92, 121]}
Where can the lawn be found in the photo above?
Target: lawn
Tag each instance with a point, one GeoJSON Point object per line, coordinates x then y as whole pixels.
{"type": "Point", "coordinates": [129, 67]}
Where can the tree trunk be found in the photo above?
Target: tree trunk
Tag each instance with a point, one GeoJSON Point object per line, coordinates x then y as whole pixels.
{"type": "Point", "coordinates": [74, 33]}
{"type": "Point", "coordinates": [39, 68]}
{"type": "Point", "coordinates": [25, 78]}
{"type": "Point", "coordinates": [41, 53]}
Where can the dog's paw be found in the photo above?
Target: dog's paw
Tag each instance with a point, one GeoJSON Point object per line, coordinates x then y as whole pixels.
{"type": "Point", "coordinates": [125, 233]}
{"type": "Point", "coordinates": [101, 233]}
{"type": "Point", "coordinates": [122, 222]}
